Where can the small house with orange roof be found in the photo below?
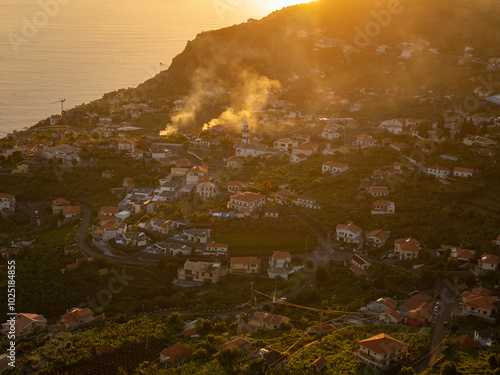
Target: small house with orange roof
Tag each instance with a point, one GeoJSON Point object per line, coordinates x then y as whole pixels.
{"type": "Point", "coordinates": [381, 351]}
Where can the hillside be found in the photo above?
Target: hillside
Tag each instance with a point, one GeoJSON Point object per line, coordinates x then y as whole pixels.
{"type": "Point", "coordinates": [280, 52]}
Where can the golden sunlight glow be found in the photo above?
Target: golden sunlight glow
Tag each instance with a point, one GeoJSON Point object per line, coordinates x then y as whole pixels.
{"type": "Point", "coordinates": [272, 5]}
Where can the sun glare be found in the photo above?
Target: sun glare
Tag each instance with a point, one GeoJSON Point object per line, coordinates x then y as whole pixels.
{"type": "Point", "coordinates": [273, 5]}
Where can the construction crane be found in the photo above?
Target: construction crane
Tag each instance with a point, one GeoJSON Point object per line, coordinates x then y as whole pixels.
{"type": "Point", "coordinates": [62, 105]}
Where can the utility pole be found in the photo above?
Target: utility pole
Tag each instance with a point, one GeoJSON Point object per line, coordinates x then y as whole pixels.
{"type": "Point", "coordinates": [252, 297]}
{"type": "Point", "coordinates": [321, 327]}
{"type": "Point", "coordinates": [147, 329]}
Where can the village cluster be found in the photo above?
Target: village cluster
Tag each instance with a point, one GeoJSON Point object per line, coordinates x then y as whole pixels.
{"type": "Point", "coordinates": [192, 163]}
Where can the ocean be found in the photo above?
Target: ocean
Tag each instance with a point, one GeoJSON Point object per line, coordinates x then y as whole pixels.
{"type": "Point", "coordinates": [80, 49]}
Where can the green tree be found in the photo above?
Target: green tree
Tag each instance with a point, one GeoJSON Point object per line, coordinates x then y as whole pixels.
{"type": "Point", "coordinates": [200, 354]}
{"type": "Point", "coordinates": [423, 131]}
{"type": "Point", "coordinates": [148, 368]}
{"type": "Point", "coordinates": [407, 371]}
{"type": "Point", "coordinates": [322, 276]}
{"type": "Point", "coordinates": [266, 185]}
{"type": "Point", "coordinates": [448, 368]}
{"type": "Point", "coordinates": [492, 360]}
{"type": "Point", "coordinates": [175, 320]}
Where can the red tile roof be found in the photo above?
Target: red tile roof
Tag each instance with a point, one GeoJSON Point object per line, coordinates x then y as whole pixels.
{"type": "Point", "coordinates": [176, 353]}
{"type": "Point", "coordinates": [71, 210]}
{"type": "Point", "coordinates": [357, 271]}
{"type": "Point", "coordinates": [383, 344]}
{"type": "Point", "coordinates": [237, 343]}
{"type": "Point", "coordinates": [408, 244]}
{"type": "Point", "coordinates": [414, 302]}
{"type": "Point", "coordinates": [351, 227]}
{"type": "Point", "coordinates": [60, 202]}
{"type": "Point", "coordinates": [466, 341]}
{"type": "Point", "coordinates": [281, 255]}
{"type": "Point", "coordinates": [489, 259]}
{"type": "Point", "coordinates": [335, 164]}
{"type": "Point", "coordinates": [247, 196]}
{"type": "Point", "coordinates": [245, 260]}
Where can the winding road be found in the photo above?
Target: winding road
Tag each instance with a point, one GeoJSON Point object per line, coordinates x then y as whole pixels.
{"type": "Point", "coordinates": [90, 251]}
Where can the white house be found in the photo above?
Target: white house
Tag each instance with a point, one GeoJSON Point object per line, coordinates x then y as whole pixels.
{"type": "Point", "coordinates": [160, 226]}
{"type": "Point", "coordinates": [126, 145]}
{"type": "Point", "coordinates": [247, 201]}
{"type": "Point", "coordinates": [407, 248]}
{"type": "Point", "coordinates": [334, 167]}
{"type": "Point", "coordinates": [382, 305]}
{"type": "Point", "coordinates": [438, 171]}
{"type": "Point", "coordinates": [488, 262]}
{"type": "Point", "coordinates": [245, 265]}
{"type": "Point", "coordinates": [359, 265]}
{"type": "Point", "coordinates": [406, 54]}
{"type": "Point", "coordinates": [207, 190]}
{"type": "Point", "coordinates": [303, 151]}
{"type": "Point", "coordinates": [349, 233]}
{"type": "Point", "coordinates": [173, 249]}
{"type": "Point", "coordinates": [236, 187]}
{"type": "Point", "coordinates": [383, 207]}
{"type": "Point", "coordinates": [463, 172]}
{"type": "Point", "coordinates": [25, 324]}
{"type": "Point", "coordinates": [255, 149]}
{"type": "Point", "coordinates": [70, 212]}
{"type": "Point", "coordinates": [68, 153]}
{"type": "Point", "coordinates": [365, 140]}
{"type": "Point", "coordinates": [235, 162]}
{"type": "Point", "coordinates": [331, 132]}
{"type": "Point", "coordinates": [378, 191]}
{"type": "Point", "coordinates": [382, 49]}
{"type": "Point", "coordinates": [377, 238]}
{"type": "Point", "coordinates": [137, 154]}
{"type": "Point", "coordinates": [307, 202]}
{"type": "Point", "coordinates": [201, 272]}
{"type": "Point", "coordinates": [394, 126]}
{"type": "Point", "coordinates": [381, 351]}
{"type": "Point", "coordinates": [7, 202]}
{"type": "Point", "coordinates": [216, 249]}
{"type": "Point", "coordinates": [285, 144]}
{"type": "Point", "coordinates": [197, 235]}
{"type": "Point", "coordinates": [280, 259]}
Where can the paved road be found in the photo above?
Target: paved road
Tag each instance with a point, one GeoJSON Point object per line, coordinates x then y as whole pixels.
{"type": "Point", "coordinates": [447, 301]}
{"type": "Point", "coordinates": [90, 251]}
{"type": "Point", "coordinates": [34, 212]}
{"type": "Point", "coordinates": [326, 251]}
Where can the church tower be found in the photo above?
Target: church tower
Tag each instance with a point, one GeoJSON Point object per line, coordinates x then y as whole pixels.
{"type": "Point", "coordinates": [245, 134]}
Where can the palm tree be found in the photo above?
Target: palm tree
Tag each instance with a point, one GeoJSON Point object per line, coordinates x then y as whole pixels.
{"type": "Point", "coordinates": [209, 268]}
